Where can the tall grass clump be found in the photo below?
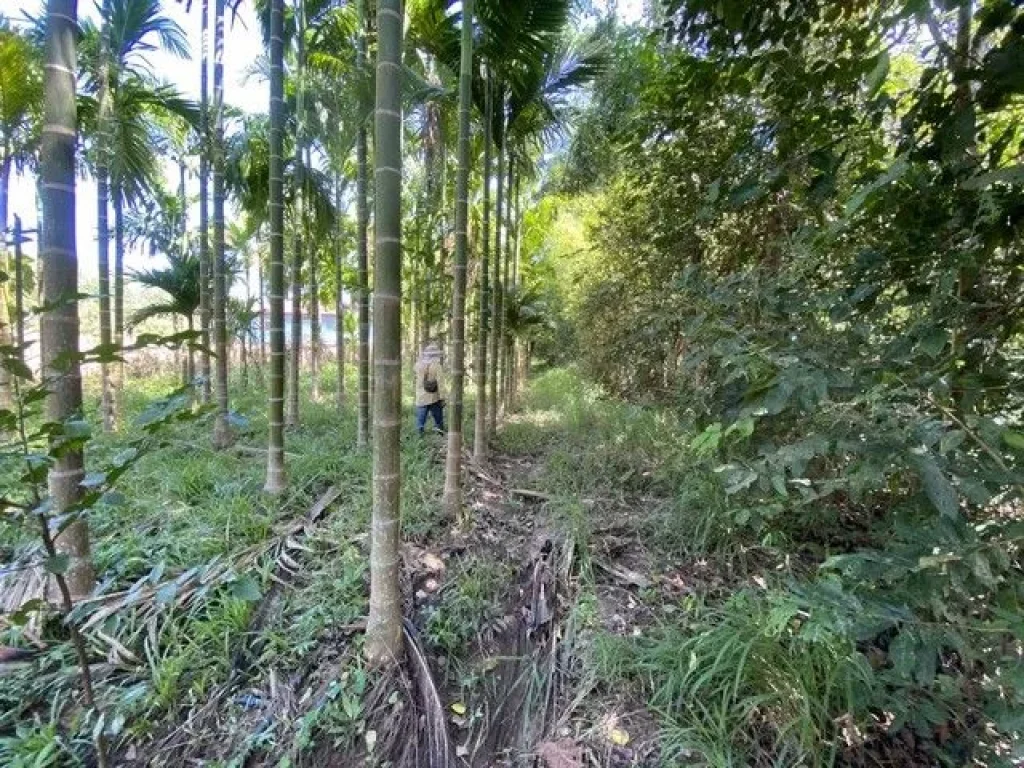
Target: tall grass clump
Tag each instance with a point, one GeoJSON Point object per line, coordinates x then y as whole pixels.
{"type": "Point", "coordinates": [746, 683]}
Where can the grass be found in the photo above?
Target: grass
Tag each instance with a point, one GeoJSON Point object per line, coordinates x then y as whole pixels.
{"type": "Point", "coordinates": [468, 604]}
{"type": "Point", "coordinates": [732, 681]}
{"type": "Point", "coordinates": [184, 505]}
{"type": "Point", "coordinates": [740, 684]}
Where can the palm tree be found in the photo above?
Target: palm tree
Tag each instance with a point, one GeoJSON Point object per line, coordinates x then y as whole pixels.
{"type": "Point", "coordinates": [453, 463]}
{"type": "Point", "coordinates": [299, 223]}
{"type": "Point", "coordinates": [221, 429]}
{"type": "Point", "coordinates": [180, 280]}
{"type": "Point", "coordinates": [102, 218]}
{"type": "Point", "coordinates": [480, 430]}
{"type": "Point", "coordinates": [339, 295]}
{"type": "Point", "coordinates": [21, 98]}
{"type": "Point", "coordinates": [120, 75]}
{"type": "Point", "coordinates": [362, 250]}
{"type": "Point", "coordinates": [535, 112]}
{"type": "Point", "coordinates": [241, 316]}
{"type": "Point", "coordinates": [384, 625]}
{"type": "Point", "coordinates": [59, 324]}
{"type": "Point", "coordinates": [204, 198]}
{"type": "Point", "coordinates": [495, 338]}
{"type": "Point", "coordinates": [276, 482]}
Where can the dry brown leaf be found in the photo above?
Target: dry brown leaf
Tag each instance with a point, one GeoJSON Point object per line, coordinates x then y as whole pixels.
{"type": "Point", "coordinates": [564, 753]}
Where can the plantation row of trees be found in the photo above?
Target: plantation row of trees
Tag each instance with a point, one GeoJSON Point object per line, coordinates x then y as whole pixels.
{"type": "Point", "coordinates": [449, 105]}
{"type": "Point", "coordinates": [807, 217]}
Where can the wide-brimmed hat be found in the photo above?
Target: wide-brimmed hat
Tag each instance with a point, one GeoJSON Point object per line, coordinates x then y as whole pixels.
{"type": "Point", "coordinates": [431, 352]}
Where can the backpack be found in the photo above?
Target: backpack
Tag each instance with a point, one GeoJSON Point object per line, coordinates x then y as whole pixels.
{"type": "Point", "coordinates": [429, 384]}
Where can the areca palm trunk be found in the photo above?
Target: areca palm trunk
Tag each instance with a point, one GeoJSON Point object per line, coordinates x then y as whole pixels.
{"type": "Point", "coordinates": [59, 324]}
{"type": "Point", "coordinates": [276, 482]}
{"type": "Point", "coordinates": [339, 298]}
{"type": "Point", "coordinates": [298, 226]}
{"type": "Point", "coordinates": [516, 348]}
{"type": "Point", "coordinates": [384, 625]}
{"type": "Point", "coordinates": [295, 350]}
{"type": "Point", "coordinates": [117, 379]}
{"type": "Point", "coordinates": [453, 462]}
{"type": "Point", "coordinates": [506, 339]}
{"type": "Point", "coordinates": [362, 255]}
{"type": "Point", "coordinates": [102, 220]}
{"type": "Point", "coordinates": [314, 305]}
{"type": "Point", "coordinates": [204, 197]}
{"type": "Point", "coordinates": [263, 320]}
{"type": "Point", "coordinates": [190, 360]}
{"type": "Point", "coordinates": [221, 428]}
{"type": "Point", "coordinates": [480, 420]}
{"type": "Point", "coordinates": [496, 307]}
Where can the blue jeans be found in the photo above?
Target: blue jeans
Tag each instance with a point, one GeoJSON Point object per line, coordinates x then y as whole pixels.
{"type": "Point", "coordinates": [434, 409]}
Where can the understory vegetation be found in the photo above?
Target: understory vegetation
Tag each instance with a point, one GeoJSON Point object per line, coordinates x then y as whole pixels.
{"type": "Point", "coordinates": [720, 301]}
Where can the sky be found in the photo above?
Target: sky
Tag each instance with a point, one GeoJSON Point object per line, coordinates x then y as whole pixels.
{"type": "Point", "coordinates": [242, 47]}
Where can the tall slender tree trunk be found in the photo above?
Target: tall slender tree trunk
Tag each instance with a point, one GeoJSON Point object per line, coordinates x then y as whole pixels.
{"type": "Point", "coordinates": [276, 482]}
{"type": "Point", "coordinates": [5, 187]}
{"type": "Point", "coordinates": [480, 417]}
{"type": "Point", "coordinates": [102, 222]}
{"type": "Point", "coordinates": [453, 462]}
{"type": "Point", "coordinates": [314, 302]}
{"type": "Point", "coordinates": [516, 347]}
{"type": "Point", "coordinates": [190, 355]}
{"type": "Point", "coordinates": [295, 349]}
{"type": "Point", "coordinates": [496, 297]}
{"type": "Point", "coordinates": [204, 198]}
{"type": "Point", "coordinates": [221, 429]}
{"type": "Point", "coordinates": [117, 378]}
{"type": "Point", "coordinates": [506, 292]}
{"type": "Point", "coordinates": [362, 254]}
{"type": "Point", "coordinates": [298, 226]}
{"type": "Point", "coordinates": [384, 625]}
{"type": "Point", "coordinates": [6, 337]}
{"type": "Point", "coordinates": [59, 324]}
{"type": "Point", "coordinates": [6, 384]}
{"type": "Point", "coordinates": [19, 289]}
{"type": "Point", "coordinates": [339, 297]}
{"type": "Point", "coordinates": [263, 321]}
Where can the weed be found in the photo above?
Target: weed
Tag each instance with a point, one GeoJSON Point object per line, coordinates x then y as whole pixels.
{"type": "Point", "coordinates": [33, 746]}
{"type": "Point", "coordinates": [744, 680]}
{"type": "Point", "coordinates": [468, 603]}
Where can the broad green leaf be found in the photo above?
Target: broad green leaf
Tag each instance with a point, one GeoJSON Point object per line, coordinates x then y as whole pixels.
{"type": "Point", "coordinates": [982, 570]}
{"type": "Point", "coordinates": [740, 481]}
{"type": "Point", "coordinates": [1014, 174]}
{"type": "Point", "coordinates": [246, 588]}
{"type": "Point", "coordinates": [93, 480]}
{"type": "Point", "coordinates": [951, 440]}
{"type": "Point", "coordinates": [779, 484]}
{"type": "Point", "coordinates": [1013, 439]}
{"type": "Point", "coordinates": [903, 653]}
{"type": "Point", "coordinates": [895, 171]}
{"type": "Point", "coordinates": [742, 428]}
{"type": "Point", "coordinates": [16, 367]}
{"type": "Point", "coordinates": [933, 341]}
{"type": "Point", "coordinates": [937, 487]}
{"type": "Point", "coordinates": [707, 441]}
{"type": "Point", "coordinates": [21, 616]}
{"type": "Point", "coordinates": [58, 564]}
{"type": "Point", "coordinates": [878, 73]}
{"type": "Point", "coordinates": [77, 429]}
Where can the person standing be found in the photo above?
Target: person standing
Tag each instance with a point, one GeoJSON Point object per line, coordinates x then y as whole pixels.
{"type": "Point", "coordinates": [429, 388]}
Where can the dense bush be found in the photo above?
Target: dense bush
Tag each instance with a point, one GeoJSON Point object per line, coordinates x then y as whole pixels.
{"type": "Point", "coordinates": [808, 245]}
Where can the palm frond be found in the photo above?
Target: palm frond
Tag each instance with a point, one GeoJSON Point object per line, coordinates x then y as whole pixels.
{"type": "Point", "coordinates": [150, 311]}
